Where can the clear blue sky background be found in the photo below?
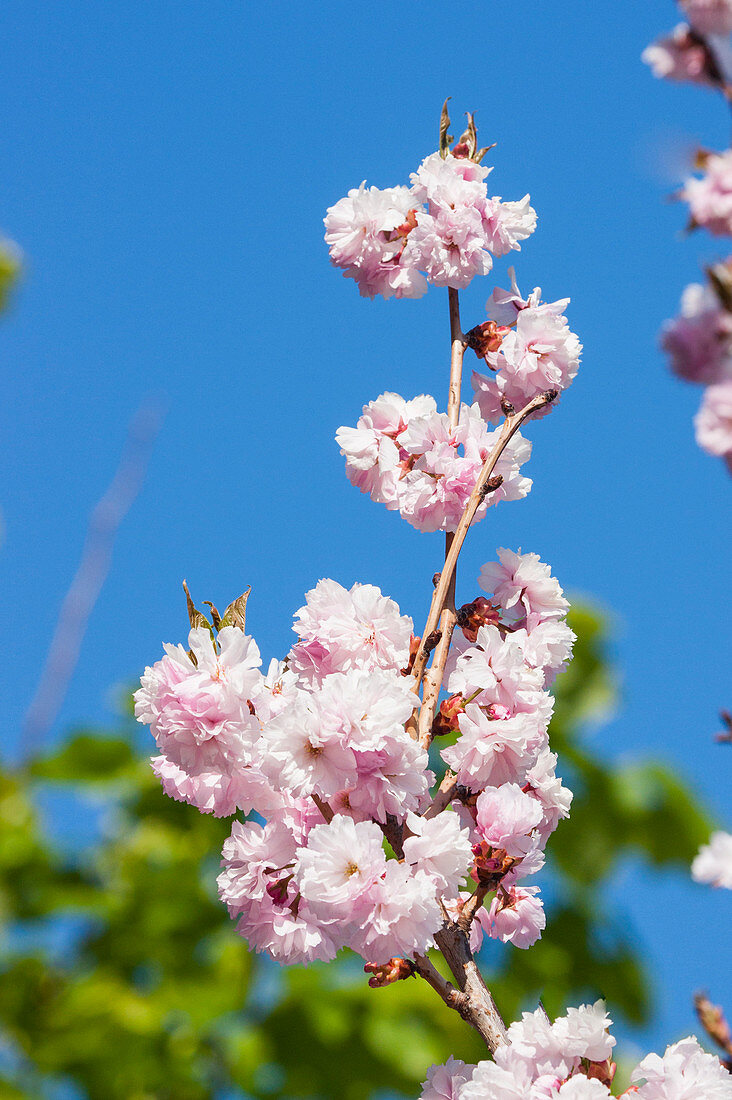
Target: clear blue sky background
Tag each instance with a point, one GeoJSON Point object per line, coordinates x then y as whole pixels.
{"type": "Point", "coordinates": [166, 167]}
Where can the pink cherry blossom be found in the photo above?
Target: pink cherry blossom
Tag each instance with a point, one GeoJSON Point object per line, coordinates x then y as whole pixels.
{"type": "Point", "coordinates": [341, 629]}
{"type": "Point", "coordinates": [450, 246]}
{"type": "Point", "coordinates": [685, 1072]}
{"type": "Point", "coordinates": [517, 916]}
{"type": "Point", "coordinates": [493, 751]}
{"type": "Point", "coordinates": [524, 587]}
{"type": "Point", "coordinates": [198, 707]}
{"type": "Point", "coordinates": [507, 223]}
{"type": "Point", "coordinates": [440, 847]}
{"type": "Point", "coordinates": [506, 818]}
{"type": "Point", "coordinates": [445, 1082]}
{"type": "Point", "coordinates": [400, 915]}
{"type": "Point", "coordinates": [339, 866]}
{"type": "Point", "coordinates": [366, 233]}
{"type": "Point", "coordinates": [496, 668]}
{"type": "Point", "coordinates": [541, 353]}
{"type": "Point", "coordinates": [543, 783]}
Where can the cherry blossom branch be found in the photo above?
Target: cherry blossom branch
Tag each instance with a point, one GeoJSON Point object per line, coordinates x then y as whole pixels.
{"type": "Point", "coordinates": [485, 484]}
{"type": "Point", "coordinates": [447, 616]}
{"type": "Point", "coordinates": [479, 1009]}
{"type": "Point", "coordinates": [452, 997]}
{"type": "Point", "coordinates": [444, 796]}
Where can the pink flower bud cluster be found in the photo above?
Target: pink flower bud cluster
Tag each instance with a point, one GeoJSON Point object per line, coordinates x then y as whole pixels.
{"type": "Point", "coordinates": [571, 1059]}
{"type": "Point", "coordinates": [443, 230]}
{"type": "Point", "coordinates": [405, 455]}
{"type": "Point", "coordinates": [321, 748]}
{"type": "Point", "coordinates": [699, 345]}
{"type": "Point", "coordinates": [537, 352]}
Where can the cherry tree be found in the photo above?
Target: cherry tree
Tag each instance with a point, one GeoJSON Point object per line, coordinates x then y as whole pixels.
{"type": "Point", "coordinates": [348, 837]}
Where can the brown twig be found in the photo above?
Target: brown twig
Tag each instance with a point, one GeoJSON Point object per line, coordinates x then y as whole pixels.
{"type": "Point", "coordinates": [323, 807]}
{"type": "Point", "coordinates": [471, 906]}
{"type": "Point", "coordinates": [479, 1009]}
{"type": "Point", "coordinates": [452, 997]}
{"type": "Point", "coordinates": [508, 429]}
{"type": "Point", "coordinates": [444, 796]}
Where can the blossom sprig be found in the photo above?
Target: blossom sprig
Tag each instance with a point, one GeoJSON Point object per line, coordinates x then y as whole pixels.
{"type": "Point", "coordinates": [346, 838]}
{"type": "Point", "coordinates": [571, 1059]}
{"type": "Point", "coordinates": [699, 341]}
{"type": "Point", "coordinates": [320, 747]}
{"type": "Point", "coordinates": [442, 230]}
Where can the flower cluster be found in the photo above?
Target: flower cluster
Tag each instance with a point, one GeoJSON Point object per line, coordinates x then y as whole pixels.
{"type": "Point", "coordinates": [406, 455]}
{"type": "Point", "coordinates": [321, 748]}
{"type": "Point", "coordinates": [442, 230]}
{"type": "Point", "coordinates": [530, 349]}
{"type": "Point", "coordinates": [571, 1059]}
{"type": "Point", "coordinates": [699, 341]}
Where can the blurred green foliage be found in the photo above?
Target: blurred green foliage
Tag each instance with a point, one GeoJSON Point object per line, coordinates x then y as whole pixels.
{"type": "Point", "coordinates": [9, 270]}
{"type": "Point", "coordinates": [123, 979]}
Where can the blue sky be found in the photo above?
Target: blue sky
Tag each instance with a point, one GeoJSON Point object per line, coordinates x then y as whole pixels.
{"type": "Point", "coordinates": [165, 169]}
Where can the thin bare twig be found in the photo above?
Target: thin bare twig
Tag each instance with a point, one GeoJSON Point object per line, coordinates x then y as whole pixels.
{"type": "Point", "coordinates": [81, 597]}
{"type": "Point", "coordinates": [479, 1009]}
{"type": "Point", "coordinates": [508, 429]}
{"type": "Point", "coordinates": [452, 997]}
{"type": "Point", "coordinates": [444, 796]}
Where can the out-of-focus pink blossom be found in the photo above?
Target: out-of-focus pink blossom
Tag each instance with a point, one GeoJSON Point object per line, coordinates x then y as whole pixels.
{"type": "Point", "coordinates": [699, 341]}
{"type": "Point", "coordinates": [683, 56]}
{"type": "Point", "coordinates": [713, 864]}
{"type": "Point", "coordinates": [709, 16]}
{"type": "Point", "coordinates": [710, 197]}
{"type": "Point", "coordinates": [713, 422]}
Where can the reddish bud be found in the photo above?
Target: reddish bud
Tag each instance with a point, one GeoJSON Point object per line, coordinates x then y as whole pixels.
{"type": "Point", "coordinates": [461, 150]}
{"type": "Point", "coordinates": [413, 647]}
{"type": "Point", "coordinates": [491, 864]}
{"type": "Point", "coordinates": [395, 970]}
{"type": "Point", "coordinates": [486, 337]}
{"type": "Point", "coordinates": [472, 616]}
{"type": "Point", "coordinates": [446, 719]}
{"type": "Point", "coordinates": [602, 1071]}
{"type": "Point", "coordinates": [278, 890]}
